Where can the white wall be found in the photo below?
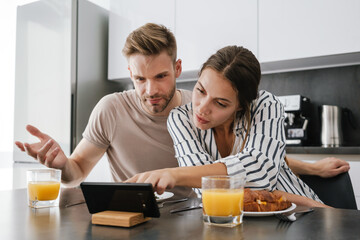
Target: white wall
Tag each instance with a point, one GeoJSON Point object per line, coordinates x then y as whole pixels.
{"type": "Point", "coordinates": [102, 3]}
{"type": "Point", "coordinates": [7, 73]}
{"type": "Point", "coordinates": [12, 175]}
{"type": "Point", "coordinates": [7, 69]}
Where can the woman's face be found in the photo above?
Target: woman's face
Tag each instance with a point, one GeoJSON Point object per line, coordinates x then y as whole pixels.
{"type": "Point", "coordinates": [214, 100]}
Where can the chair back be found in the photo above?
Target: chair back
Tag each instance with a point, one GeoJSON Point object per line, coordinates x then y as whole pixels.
{"type": "Point", "coordinates": [335, 191]}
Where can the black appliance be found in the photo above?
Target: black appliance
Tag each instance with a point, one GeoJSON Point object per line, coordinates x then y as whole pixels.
{"type": "Point", "coordinates": [297, 118]}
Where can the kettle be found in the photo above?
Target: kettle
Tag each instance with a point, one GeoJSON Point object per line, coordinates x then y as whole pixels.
{"type": "Point", "coordinates": [331, 131]}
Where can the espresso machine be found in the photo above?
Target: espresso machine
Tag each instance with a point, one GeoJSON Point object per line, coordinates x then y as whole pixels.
{"type": "Point", "coordinates": [297, 117]}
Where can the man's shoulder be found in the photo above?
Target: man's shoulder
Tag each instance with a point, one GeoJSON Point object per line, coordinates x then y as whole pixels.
{"type": "Point", "coordinates": [185, 96]}
{"type": "Point", "coordinates": [127, 96]}
{"type": "Point", "coordinates": [118, 102]}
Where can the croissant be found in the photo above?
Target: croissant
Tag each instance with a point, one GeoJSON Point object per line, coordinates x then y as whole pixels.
{"type": "Point", "coordinates": [263, 201]}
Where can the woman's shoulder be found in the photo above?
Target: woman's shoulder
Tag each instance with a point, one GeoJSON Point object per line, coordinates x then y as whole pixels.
{"type": "Point", "coordinates": [265, 98]}
{"type": "Point", "coordinates": [184, 110]}
{"type": "Point", "coordinates": [263, 94]}
{"type": "Point", "coordinates": [182, 113]}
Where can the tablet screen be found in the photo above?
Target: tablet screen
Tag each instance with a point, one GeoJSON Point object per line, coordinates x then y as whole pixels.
{"type": "Point", "coordinates": [128, 197]}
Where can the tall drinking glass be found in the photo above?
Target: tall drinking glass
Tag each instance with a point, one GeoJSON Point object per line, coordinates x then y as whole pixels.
{"type": "Point", "coordinates": [43, 187]}
{"type": "Point", "coordinates": [223, 200]}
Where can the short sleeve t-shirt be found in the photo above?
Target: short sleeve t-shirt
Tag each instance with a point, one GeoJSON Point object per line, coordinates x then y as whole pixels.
{"type": "Point", "coordinates": [135, 141]}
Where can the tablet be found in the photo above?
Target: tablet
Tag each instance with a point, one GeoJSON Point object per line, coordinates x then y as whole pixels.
{"type": "Point", "coordinates": [127, 197]}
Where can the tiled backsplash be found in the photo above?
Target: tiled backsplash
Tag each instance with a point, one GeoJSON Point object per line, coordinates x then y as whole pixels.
{"type": "Point", "coordinates": [331, 86]}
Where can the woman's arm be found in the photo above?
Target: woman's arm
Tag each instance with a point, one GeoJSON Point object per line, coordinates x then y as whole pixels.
{"type": "Point", "coordinates": [300, 200]}
{"type": "Point", "coordinates": [167, 178]}
{"type": "Point", "coordinates": [327, 167]}
{"type": "Point", "coordinates": [191, 177]}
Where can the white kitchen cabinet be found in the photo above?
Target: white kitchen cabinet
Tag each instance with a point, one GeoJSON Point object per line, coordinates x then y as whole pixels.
{"type": "Point", "coordinates": [355, 179]}
{"type": "Point", "coordinates": [302, 29]}
{"type": "Point", "coordinates": [204, 26]}
{"type": "Point", "coordinates": [126, 16]}
{"type": "Point", "coordinates": [201, 28]}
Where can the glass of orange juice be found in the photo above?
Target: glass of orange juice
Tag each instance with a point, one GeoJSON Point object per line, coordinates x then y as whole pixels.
{"type": "Point", "coordinates": [223, 200]}
{"type": "Point", "coordinates": [43, 187]}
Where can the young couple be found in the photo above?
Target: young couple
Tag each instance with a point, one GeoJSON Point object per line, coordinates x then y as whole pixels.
{"type": "Point", "coordinates": [229, 127]}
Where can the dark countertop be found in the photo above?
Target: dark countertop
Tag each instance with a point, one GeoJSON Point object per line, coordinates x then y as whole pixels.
{"type": "Point", "coordinates": [321, 150]}
{"type": "Point", "coordinates": [18, 221]}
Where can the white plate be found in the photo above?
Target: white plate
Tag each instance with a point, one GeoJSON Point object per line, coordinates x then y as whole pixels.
{"type": "Point", "coordinates": [162, 197]}
{"type": "Point", "coordinates": [262, 214]}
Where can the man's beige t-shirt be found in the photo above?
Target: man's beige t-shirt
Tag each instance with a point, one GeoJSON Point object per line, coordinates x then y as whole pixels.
{"type": "Point", "coordinates": [135, 141]}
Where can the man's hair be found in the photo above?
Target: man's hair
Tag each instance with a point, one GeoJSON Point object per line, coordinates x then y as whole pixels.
{"type": "Point", "coordinates": [151, 39]}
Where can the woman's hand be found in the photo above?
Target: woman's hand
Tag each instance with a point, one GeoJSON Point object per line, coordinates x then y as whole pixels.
{"type": "Point", "coordinates": [326, 167]}
{"type": "Point", "coordinates": [161, 179]}
{"type": "Point", "coordinates": [330, 167]}
{"type": "Point", "coordinates": [168, 178]}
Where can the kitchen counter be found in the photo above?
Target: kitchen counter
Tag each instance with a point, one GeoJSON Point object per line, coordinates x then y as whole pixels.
{"type": "Point", "coordinates": [19, 221]}
{"type": "Point", "coordinates": [13, 173]}
{"type": "Point", "coordinates": [322, 150]}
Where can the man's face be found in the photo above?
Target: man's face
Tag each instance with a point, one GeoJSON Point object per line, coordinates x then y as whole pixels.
{"type": "Point", "coordinates": [154, 79]}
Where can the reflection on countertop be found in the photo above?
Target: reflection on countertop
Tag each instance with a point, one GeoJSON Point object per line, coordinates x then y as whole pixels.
{"type": "Point", "coordinates": [13, 173]}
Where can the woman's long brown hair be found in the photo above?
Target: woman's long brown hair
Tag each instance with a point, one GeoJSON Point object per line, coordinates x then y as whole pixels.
{"type": "Point", "coordinates": [242, 69]}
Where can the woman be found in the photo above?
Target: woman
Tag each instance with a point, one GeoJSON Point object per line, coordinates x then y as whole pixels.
{"type": "Point", "coordinates": [230, 128]}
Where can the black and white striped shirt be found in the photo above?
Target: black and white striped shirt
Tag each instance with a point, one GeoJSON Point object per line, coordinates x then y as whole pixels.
{"type": "Point", "coordinates": [262, 159]}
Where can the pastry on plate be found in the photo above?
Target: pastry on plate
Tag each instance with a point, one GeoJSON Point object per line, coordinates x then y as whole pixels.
{"type": "Point", "coordinates": [263, 201]}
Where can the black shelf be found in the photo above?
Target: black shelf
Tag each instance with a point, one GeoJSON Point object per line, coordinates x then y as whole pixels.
{"type": "Point", "coordinates": [322, 150]}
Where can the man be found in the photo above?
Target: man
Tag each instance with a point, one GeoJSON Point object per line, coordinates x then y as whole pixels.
{"type": "Point", "coordinates": [129, 126]}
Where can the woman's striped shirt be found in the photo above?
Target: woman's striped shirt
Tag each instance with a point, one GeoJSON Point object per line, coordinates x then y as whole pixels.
{"type": "Point", "coordinates": [262, 159]}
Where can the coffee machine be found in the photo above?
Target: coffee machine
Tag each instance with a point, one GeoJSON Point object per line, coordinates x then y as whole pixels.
{"type": "Point", "coordinates": [297, 117]}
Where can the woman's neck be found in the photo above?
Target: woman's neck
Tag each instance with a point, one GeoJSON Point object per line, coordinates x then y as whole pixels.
{"type": "Point", "coordinates": [224, 138]}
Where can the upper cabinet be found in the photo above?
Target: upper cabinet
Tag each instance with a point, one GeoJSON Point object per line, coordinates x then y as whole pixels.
{"type": "Point", "coordinates": [201, 28]}
{"type": "Point", "coordinates": [204, 26]}
{"type": "Point", "coordinates": [285, 35]}
{"type": "Point", "coordinates": [302, 29]}
{"type": "Point", "coordinates": [126, 16]}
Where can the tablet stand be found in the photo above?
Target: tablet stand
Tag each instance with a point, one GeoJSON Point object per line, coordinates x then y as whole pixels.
{"type": "Point", "coordinates": [117, 218]}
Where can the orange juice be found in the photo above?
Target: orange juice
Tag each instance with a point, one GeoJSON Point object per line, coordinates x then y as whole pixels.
{"type": "Point", "coordinates": [222, 202]}
{"type": "Point", "coordinates": [43, 190]}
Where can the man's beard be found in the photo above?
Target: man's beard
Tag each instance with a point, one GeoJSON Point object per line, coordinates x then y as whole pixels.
{"type": "Point", "coordinates": [158, 108]}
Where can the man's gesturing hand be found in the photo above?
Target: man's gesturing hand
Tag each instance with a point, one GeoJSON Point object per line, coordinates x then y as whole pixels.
{"type": "Point", "coordinates": [47, 151]}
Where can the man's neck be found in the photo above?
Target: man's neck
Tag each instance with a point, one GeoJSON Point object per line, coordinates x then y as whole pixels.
{"type": "Point", "coordinates": [175, 102]}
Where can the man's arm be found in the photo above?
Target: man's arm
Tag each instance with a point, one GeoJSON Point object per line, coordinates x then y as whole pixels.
{"type": "Point", "coordinates": [81, 162]}
{"type": "Point", "coordinates": [327, 167]}
{"type": "Point", "coordinates": [49, 153]}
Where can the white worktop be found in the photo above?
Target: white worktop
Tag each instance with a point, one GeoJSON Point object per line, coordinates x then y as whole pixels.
{"type": "Point", "coordinates": [13, 174]}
